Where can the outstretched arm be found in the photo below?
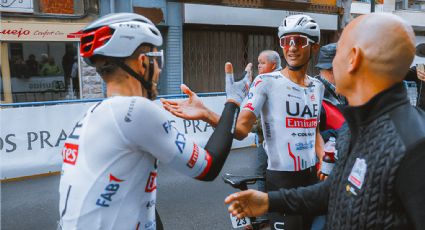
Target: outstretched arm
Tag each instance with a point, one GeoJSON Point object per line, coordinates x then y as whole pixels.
{"type": "Point", "coordinates": [251, 203]}
{"type": "Point", "coordinates": [151, 131]}
{"type": "Point", "coordinates": [193, 108]}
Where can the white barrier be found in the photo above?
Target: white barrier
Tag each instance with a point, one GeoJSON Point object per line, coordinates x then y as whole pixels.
{"type": "Point", "coordinates": [31, 138]}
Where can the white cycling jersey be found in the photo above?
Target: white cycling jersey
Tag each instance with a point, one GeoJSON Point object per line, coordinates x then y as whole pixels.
{"type": "Point", "coordinates": [109, 164]}
{"type": "Point", "coordinates": [289, 115]}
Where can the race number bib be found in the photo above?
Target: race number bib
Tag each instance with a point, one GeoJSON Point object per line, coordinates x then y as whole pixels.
{"type": "Point", "coordinates": [238, 223]}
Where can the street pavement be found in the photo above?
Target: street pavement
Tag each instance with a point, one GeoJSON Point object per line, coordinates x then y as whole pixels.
{"type": "Point", "coordinates": [183, 203]}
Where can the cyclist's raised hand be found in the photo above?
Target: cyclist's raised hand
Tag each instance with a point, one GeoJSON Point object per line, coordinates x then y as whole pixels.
{"type": "Point", "coordinates": [237, 91]}
{"type": "Point", "coordinates": [189, 109]}
{"type": "Point", "coordinates": [249, 203]}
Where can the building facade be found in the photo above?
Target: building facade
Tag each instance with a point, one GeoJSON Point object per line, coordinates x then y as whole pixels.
{"type": "Point", "coordinates": [39, 49]}
{"type": "Point", "coordinates": [413, 11]}
{"type": "Point", "coordinates": [199, 37]}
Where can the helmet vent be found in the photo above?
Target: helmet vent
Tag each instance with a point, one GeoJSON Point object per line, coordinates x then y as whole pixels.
{"type": "Point", "coordinates": [87, 48]}
{"type": "Point", "coordinates": [141, 20]}
{"type": "Point", "coordinates": [153, 31]}
{"type": "Point", "coordinates": [87, 39]}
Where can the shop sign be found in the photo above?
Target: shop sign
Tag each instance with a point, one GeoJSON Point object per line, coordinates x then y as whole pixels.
{"type": "Point", "coordinates": [38, 84]}
{"type": "Point", "coordinates": [36, 31]}
{"type": "Point", "coordinates": [21, 6]}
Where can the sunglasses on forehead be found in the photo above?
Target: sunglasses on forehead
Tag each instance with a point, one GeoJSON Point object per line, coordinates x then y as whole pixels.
{"type": "Point", "coordinates": [299, 41]}
{"type": "Point", "coordinates": [159, 56]}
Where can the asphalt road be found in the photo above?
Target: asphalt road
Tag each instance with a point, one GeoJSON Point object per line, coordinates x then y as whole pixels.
{"type": "Point", "coordinates": [183, 203]}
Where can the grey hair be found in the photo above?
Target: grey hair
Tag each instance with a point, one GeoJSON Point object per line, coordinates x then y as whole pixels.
{"type": "Point", "coordinates": [273, 57]}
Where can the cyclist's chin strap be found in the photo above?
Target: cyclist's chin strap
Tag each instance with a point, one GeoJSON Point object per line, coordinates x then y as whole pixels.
{"type": "Point", "coordinates": [150, 77]}
{"type": "Point", "coordinates": [296, 68]}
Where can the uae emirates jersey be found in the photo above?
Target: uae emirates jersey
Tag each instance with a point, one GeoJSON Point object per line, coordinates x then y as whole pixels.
{"type": "Point", "coordinates": [289, 115]}
{"type": "Point", "coordinates": [109, 167]}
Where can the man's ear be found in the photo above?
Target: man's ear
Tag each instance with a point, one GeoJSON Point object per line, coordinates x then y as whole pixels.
{"type": "Point", "coordinates": [355, 58]}
{"type": "Point", "coordinates": [140, 63]}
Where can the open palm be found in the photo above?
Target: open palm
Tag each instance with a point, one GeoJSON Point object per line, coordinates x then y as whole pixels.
{"type": "Point", "coordinates": [189, 109]}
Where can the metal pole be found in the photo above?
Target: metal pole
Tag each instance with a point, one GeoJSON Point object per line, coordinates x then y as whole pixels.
{"type": "Point", "coordinates": [112, 6]}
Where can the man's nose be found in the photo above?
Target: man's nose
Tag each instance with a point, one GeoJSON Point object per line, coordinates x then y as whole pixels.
{"type": "Point", "coordinates": [293, 48]}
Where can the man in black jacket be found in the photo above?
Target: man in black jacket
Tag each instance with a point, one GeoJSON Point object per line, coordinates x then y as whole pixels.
{"type": "Point", "coordinates": [378, 182]}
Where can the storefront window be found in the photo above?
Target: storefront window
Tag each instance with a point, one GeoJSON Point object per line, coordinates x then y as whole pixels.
{"type": "Point", "coordinates": [44, 71]}
{"type": "Point", "coordinates": [41, 8]}
{"type": "Point", "coordinates": [70, 7]}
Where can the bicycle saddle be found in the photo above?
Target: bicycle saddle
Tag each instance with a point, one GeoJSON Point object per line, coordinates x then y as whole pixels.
{"type": "Point", "coordinates": [240, 182]}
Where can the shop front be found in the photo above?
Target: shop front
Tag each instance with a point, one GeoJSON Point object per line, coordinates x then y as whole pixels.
{"type": "Point", "coordinates": [39, 61]}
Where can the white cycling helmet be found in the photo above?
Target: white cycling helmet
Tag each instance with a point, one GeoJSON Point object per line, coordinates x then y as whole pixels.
{"type": "Point", "coordinates": [300, 24]}
{"type": "Point", "coordinates": [118, 35]}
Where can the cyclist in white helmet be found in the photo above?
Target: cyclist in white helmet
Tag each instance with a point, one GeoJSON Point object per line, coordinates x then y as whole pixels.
{"type": "Point", "coordinates": [110, 158]}
{"type": "Point", "coordinates": [289, 102]}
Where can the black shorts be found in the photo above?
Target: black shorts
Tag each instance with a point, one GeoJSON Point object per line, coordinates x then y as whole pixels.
{"type": "Point", "coordinates": [282, 179]}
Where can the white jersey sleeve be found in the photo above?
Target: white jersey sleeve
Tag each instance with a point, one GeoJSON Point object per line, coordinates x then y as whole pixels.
{"type": "Point", "coordinates": [146, 127]}
{"type": "Point", "coordinates": [257, 95]}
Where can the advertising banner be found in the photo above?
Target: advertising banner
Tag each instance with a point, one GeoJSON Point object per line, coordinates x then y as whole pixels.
{"type": "Point", "coordinates": [31, 138]}
{"type": "Point", "coordinates": [37, 84]}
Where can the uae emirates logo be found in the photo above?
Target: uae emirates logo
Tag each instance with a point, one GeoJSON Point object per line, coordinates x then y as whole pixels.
{"type": "Point", "coordinates": [151, 183]}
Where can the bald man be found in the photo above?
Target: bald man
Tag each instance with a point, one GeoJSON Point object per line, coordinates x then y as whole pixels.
{"type": "Point", "coordinates": [379, 180]}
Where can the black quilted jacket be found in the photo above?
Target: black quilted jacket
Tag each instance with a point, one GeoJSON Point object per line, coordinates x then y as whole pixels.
{"type": "Point", "coordinates": [379, 180]}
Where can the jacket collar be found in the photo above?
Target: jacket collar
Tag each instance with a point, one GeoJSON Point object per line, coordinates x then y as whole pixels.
{"type": "Point", "coordinates": [382, 103]}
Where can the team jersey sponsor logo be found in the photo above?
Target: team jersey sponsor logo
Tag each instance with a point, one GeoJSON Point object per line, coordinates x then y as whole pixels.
{"type": "Point", "coordinates": [268, 130]}
{"type": "Point", "coordinates": [195, 154]}
{"type": "Point", "coordinates": [312, 97]}
{"type": "Point", "coordinates": [180, 142]}
{"type": "Point", "coordinates": [250, 95]}
{"type": "Point", "coordinates": [303, 134]}
{"type": "Point", "coordinates": [301, 122]}
{"type": "Point", "coordinates": [150, 204]}
{"type": "Point", "coordinates": [150, 225]}
{"type": "Point", "coordinates": [304, 146]}
{"type": "Point", "coordinates": [293, 88]}
{"type": "Point", "coordinates": [249, 106]}
{"type": "Point", "coordinates": [151, 183]}
{"type": "Point", "coordinates": [257, 83]}
{"type": "Point", "coordinates": [292, 96]}
{"type": "Point", "coordinates": [110, 190]}
{"type": "Point", "coordinates": [70, 153]}
{"type": "Point", "coordinates": [127, 117]}
{"type": "Point", "coordinates": [297, 110]}
{"type": "Point", "coordinates": [168, 125]}
{"type": "Point", "coordinates": [299, 163]}
{"type": "Point", "coordinates": [180, 138]}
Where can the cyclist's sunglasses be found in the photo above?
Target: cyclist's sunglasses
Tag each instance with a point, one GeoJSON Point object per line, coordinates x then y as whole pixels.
{"type": "Point", "coordinates": [159, 56]}
{"type": "Point", "coordinates": [299, 41]}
